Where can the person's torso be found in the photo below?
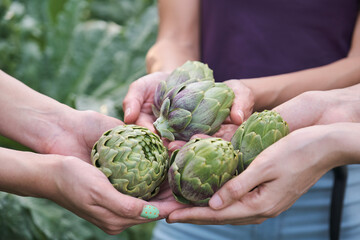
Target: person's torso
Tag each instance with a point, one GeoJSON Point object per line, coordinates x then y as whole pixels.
{"type": "Point", "coordinates": [246, 39]}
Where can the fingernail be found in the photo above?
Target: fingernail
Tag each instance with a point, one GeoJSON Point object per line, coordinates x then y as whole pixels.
{"type": "Point", "coordinates": [127, 112]}
{"type": "Point", "coordinates": [215, 202]}
{"type": "Point", "coordinates": [241, 115]}
{"type": "Point", "coordinates": [149, 212]}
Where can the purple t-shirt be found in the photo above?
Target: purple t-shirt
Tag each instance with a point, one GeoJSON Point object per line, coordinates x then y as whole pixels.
{"type": "Point", "coordinates": [254, 38]}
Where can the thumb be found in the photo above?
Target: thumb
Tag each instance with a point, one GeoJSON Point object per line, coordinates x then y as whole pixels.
{"type": "Point", "coordinates": [140, 91]}
{"type": "Point", "coordinates": [133, 101]}
{"type": "Point", "coordinates": [234, 189]}
{"type": "Point", "coordinates": [243, 103]}
{"type": "Point", "coordinates": [237, 115]}
{"type": "Point", "coordinates": [241, 109]}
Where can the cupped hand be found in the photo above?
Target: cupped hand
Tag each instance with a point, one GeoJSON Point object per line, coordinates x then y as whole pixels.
{"type": "Point", "coordinates": [86, 191]}
{"type": "Point", "coordinates": [272, 182]}
{"type": "Point", "coordinates": [139, 99]}
{"type": "Point", "coordinates": [165, 200]}
{"type": "Point", "coordinates": [76, 133]}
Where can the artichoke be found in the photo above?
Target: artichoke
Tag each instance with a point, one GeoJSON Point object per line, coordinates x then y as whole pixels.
{"type": "Point", "coordinates": [200, 168]}
{"type": "Point", "coordinates": [258, 132]}
{"type": "Point", "coordinates": [189, 72]}
{"type": "Point", "coordinates": [190, 102]}
{"type": "Point", "coordinates": [133, 158]}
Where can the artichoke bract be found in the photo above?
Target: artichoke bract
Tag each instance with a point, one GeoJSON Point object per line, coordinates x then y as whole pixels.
{"type": "Point", "coordinates": [190, 102]}
{"type": "Point", "coordinates": [133, 158]}
{"type": "Point", "coordinates": [200, 168]}
{"type": "Point", "coordinates": [189, 72]}
{"type": "Point", "coordinates": [258, 132]}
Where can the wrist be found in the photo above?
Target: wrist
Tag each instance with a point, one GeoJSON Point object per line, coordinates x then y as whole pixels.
{"type": "Point", "coordinates": [265, 96]}
{"type": "Point", "coordinates": [26, 173]}
{"type": "Point", "coordinates": [345, 138]}
{"type": "Point", "coordinates": [27, 116]}
{"type": "Point", "coordinates": [44, 124]}
{"type": "Point", "coordinates": [167, 54]}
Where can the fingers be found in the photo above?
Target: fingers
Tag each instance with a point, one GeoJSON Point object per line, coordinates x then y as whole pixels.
{"type": "Point", "coordinates": [146, 120]}
{"type": "Point", "coordinates": [140, 91]}
{"type": "Point", "coordinates": [166, 207]}
{"type": "Point", "coordinates": [108, 221]}
{"type": "Point", "coordinates": [226, 131]}
{"type": "Point", "coordinates": [241, 108]}
{"type": "Point", "coordinates": [122, 205]}
{"type": "Point", "coordinates": [236, 114]}
{"type": "Point", "coordinates": [175, 145]}
{"type": "Point", "coordinates": [133, 101]}
{"type": "Point", "coordinates": [236, 214]}
{"type": "Point", "coordinates": [191, 214]}
{"type": "Point", "coordinates": [236, 188]}
{"type": "Point", "coordinates": [243, 103]}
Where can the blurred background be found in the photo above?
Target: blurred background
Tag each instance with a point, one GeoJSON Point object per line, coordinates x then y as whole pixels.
{"type": "Point", "coordinates": [84, 53]}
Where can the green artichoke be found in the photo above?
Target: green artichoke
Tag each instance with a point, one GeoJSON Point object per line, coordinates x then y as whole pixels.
{"type": "Point", "coordinates": [190, 102]}
{"type": "Point", "coordinates": [200, 168]}
{"type": "Point", "coordinates": [258, 132]}
{"type": "Point", "coordinates": [133, 158]}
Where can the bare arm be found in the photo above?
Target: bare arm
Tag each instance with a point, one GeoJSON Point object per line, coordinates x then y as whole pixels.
{"type": "Point", "coordinates": [278, 176]}
{"type": "Point", "coordinates": [178, 35]}
{"type": "Point", "coordinates": [28, 116]}
{"type": "Point", "coordinates": [322, 107]}
{"type": "Point", "coordinates": [71, 183]}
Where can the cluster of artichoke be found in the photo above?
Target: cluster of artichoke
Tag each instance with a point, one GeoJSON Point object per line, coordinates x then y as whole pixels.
{"type": "Point", "coordinates": [189, 102]}
{"type": "Point", "coordinates": [202, 166]}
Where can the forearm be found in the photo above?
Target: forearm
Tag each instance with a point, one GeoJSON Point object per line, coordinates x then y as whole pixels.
{"type": "Point", "coordinates": [167, 54]}
{"type": "Point", "coordinates": [178, 36]}
{"type": "Point", "coordinates": [26, 115]}
{"type": "Point", "coordinates": [274, 90]}
{"type": "Point", "coordinates": [345, 142]}
{"type": "Point", "coordinates": [322, 107]}
{"type": "Point", "coordinates": [25, 173]}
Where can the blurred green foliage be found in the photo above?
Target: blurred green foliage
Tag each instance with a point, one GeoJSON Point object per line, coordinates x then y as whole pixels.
{"type": "Point", "coordinates": [84, 53]}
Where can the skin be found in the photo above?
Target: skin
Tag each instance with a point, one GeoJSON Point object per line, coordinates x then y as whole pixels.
{"type": "Point", "coordinates": [60, 168]}
{"type": "Point", "coordinates": [178, 41]}
{"type": "Point", "coordinates": [280, 175]}
{"type": "Point", "coordinates": [287, 169]}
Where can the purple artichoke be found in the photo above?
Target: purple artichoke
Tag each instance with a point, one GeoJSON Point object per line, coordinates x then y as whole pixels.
{"type": "Point", "coordinates": [190, 102]}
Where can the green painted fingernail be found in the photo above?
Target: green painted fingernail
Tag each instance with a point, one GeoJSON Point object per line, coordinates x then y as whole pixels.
{"type": "Point", "coordinates": [149, 212]}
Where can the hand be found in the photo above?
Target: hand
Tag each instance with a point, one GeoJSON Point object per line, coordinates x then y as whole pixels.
{"type": "Point", "coordinates": [77, 133]}
{"type": "Point", "coordinates": [321, 107]}
{"type": "Point", "coordinates": [165, 200]}
{"type": "Point", "coordinates": [244, 101]}
{"type": "Point", "coordinates": [225, 132]}
{"type": "Point", "coordinates": [272, 182]}
{"type": "Point", "coordinates": [139, 99]}
{"type": "Point", "coordinates": [84, 190]}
